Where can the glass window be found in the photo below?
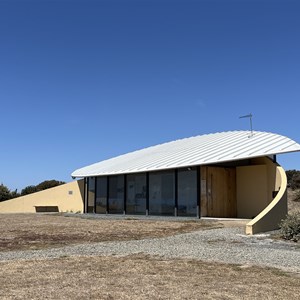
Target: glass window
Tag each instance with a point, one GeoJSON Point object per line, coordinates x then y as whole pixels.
{"type": "Point", "coordinates": [116, 194]}
{"type": "Point", "coordinates": [136, 194]}
{"type": "Point", "coordinates": [162, 193]}
{"type": "Point", "coordinates": [187, 192]}
{"type": "Point", "coordinates": [101, 195]}
{"type": "Point", "coordinates": [91, 195]}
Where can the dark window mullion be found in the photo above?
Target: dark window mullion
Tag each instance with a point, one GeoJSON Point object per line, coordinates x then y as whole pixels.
{"type": "Point", "coordinates": [147, 193]}
{"type": "Point", "coordinates": [107, 196]}
{"type": "Point", "coordinates": [176, 193]}
{"type": "Point", "coordinates": [125, 194]}
{"type": "Point", "coordinates": [198, 192]}
{"type": "Point", "coordinates": [85, 195]}
{"type": "Point", "coordinates": [95, 194]}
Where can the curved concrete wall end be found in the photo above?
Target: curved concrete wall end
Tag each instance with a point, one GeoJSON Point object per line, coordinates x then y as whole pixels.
{"type": "Point", "coordinates": [271, 216]}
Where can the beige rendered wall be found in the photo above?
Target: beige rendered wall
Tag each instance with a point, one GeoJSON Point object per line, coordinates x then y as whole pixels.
{"type": "Point", "coordinates": [68, 197]}
{"type": "Point", "coordinates": [271, 216]}
{"type": "Point", "coordinates": [252, 190]}
{"type": "Point", "coordinates": [273, 181]}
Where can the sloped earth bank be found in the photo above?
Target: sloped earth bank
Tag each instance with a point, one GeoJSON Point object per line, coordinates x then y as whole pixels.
{"type": "Point", "coordinates": [129, 259]}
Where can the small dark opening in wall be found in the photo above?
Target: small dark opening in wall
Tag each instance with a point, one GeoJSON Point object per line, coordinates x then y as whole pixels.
{"type": "Point", "coordinates": [40, 209]}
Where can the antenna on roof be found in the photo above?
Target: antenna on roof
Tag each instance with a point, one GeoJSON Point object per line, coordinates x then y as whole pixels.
{"type": "Point", "coordinates": [250, 117]}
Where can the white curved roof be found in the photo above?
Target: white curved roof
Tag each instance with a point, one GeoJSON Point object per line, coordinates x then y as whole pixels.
{"type": "Point", "coordinates": [199, 150]}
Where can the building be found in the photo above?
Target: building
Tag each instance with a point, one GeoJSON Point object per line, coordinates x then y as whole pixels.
{"type": "Point", "coordinates": [229, 174]}
{"type": "Point", "coordinates": [222, 175]}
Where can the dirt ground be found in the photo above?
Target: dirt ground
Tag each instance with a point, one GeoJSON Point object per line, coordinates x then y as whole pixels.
{"type": "Point", "coordinates": [141, 277]}
{"type": "Point", "coordinates": [36, 231]}
{"type": "Point", "coordinates": [128, 277]}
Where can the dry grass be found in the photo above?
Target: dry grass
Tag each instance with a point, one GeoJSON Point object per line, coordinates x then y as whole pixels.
{"type": "Point", "coordinates": [128, 277]}
{"type": "Point", "coordinates": [36, 231]}
{"type": "Point", "coordinates": [141, 277]}
{"type": "Point", "coordinates": [292, 204]}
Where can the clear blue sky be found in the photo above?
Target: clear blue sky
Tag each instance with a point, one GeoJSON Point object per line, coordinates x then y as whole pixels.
{"type": "Point", "coordinates": [82, 81]}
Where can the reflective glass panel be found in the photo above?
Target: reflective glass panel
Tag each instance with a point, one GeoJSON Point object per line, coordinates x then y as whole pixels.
{"type": "Point", "coordinates": [116, 194]}
{"type": "Point", "coordinates": [101, 195]}
{"type": "Point", "coordinates": [162, 193]}
{"type": "Point", "coordinates": [91, 195]}
{"type": "Point", "coordinates": [187, 192]}
{"type": "Point", "coordinates": [136, 194]}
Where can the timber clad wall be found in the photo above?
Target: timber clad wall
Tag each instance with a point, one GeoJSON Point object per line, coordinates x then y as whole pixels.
{"type": "Point", "coordinates": [218, 199]}
{"type": "Point", "coordinates": [241, 191]}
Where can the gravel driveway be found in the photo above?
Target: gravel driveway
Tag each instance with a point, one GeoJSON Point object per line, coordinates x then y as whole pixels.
{"type": "Point", "coordinates": [226, 245]}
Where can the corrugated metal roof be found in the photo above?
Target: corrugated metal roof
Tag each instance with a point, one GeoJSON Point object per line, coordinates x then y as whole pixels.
{"type": "Point", "coordinates": [199, 150]}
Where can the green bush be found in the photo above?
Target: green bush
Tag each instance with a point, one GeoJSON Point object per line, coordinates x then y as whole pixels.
{"type": "Point", "coordinates": [28, 190]}
{"type": "Point", "coordinates": [47, 184]}
{"type": "Point", "coordinates": [293, 179]}
{"type": "Point", "coordinates": [290, 227]}
{"type": "Point", "coordinates": [4, 193]}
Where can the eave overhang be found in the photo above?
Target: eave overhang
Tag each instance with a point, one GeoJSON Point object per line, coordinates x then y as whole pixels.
{"type": "Point", "coordinates": [194, 151]}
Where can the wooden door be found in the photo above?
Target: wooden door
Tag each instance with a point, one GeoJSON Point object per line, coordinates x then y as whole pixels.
{"type": "Point", "coordinates": [218, 192]}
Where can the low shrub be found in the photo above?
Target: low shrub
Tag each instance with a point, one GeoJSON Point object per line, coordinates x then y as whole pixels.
{"type": "Point", "coordinates": [290, 227]}
{"type": "Point", "coordinates": [293, 178]}
{"type": "Point", "coordinates": [297, 196]}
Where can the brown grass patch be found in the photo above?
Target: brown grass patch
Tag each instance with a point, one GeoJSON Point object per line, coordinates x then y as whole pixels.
{"type": "Point", "coordinates": [36, 231]}
{"type": "Point", "coordinates": [128, 277]}
{"type": "Point", "coordinates": [141, 277]}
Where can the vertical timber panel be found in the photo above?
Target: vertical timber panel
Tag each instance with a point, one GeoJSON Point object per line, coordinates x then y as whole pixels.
{"type": "Point", "coordinates": [209, 182]}
{"type": "Point", "coordinates": [221, 192]}
{"type": "Point", "coordinates": [232, 200]}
